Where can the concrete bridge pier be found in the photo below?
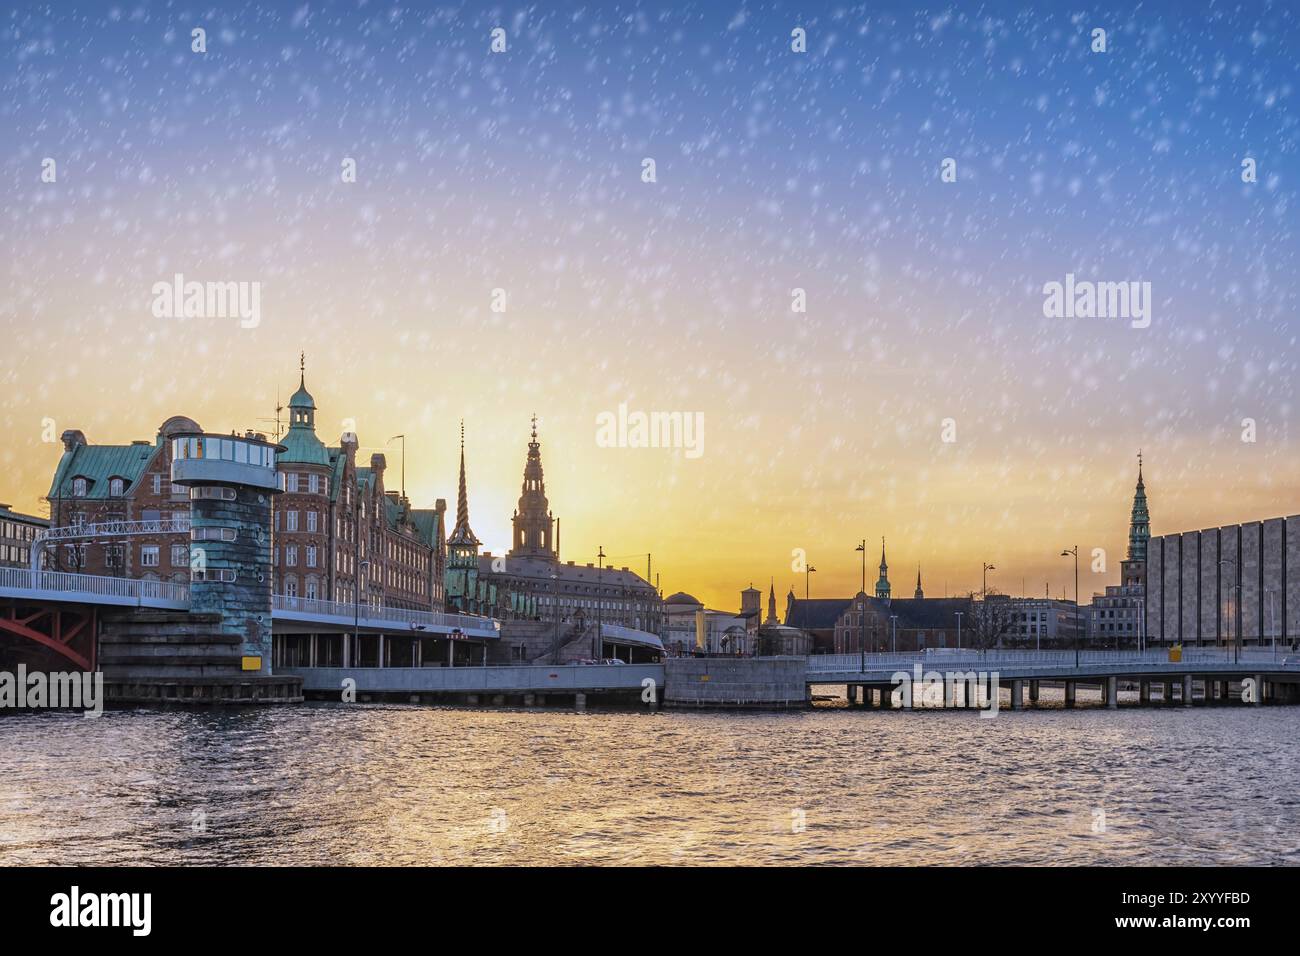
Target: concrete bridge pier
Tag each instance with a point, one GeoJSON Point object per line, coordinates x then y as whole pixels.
{"type": "Point", "coordinates": [1112, 692]}
{"type": "Point", "coordinates": [1259, 689]}
{"type": "Point", "coordinates": [1033, 692]}
{"type": "Point", "coordinates": [1187, 690]}
{"type": "Point", "coordinates": [1070, 689]}
{"type": "Point", "coordinates": [1017, 696]}
{"type": "Point", "coordinates": [1144, 692]}
{"type": "Point", "coordinates": [579, 701]}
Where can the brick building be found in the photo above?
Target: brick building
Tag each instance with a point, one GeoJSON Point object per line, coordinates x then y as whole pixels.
{"type": "Point", "coordinates": [96, 484]}
{"type": "Point", "coordinates": [17, 532]}
{"type": "Point", "coordinates": [337, 528]}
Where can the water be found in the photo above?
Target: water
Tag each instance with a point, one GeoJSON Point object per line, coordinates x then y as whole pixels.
{"type": "Point", "coordinates": [383, 784]}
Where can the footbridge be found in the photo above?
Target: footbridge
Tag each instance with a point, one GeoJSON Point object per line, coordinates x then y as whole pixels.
{"type": "Point", "coordinates": [1269, 673]}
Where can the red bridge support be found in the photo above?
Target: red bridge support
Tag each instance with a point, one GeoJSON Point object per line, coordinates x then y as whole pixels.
{"type": "Point", "coordinates": [71, 632]}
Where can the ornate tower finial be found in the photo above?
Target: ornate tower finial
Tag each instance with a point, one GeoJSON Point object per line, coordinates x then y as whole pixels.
{"type": "Point", "coordinates": [534, 525]}
{"type": "Point", "coordinates": [882, 585]}
{"type": "Point", "coordinates": [302, 369]}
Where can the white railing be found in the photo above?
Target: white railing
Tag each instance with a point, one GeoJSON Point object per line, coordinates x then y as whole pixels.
{"type": "Point", "coordinates": [22, 579]}
{"type": "Point", "coordinates": [114, 529]}
{"type": "Point", "coordinates": [950, 657]}
{"type": "Point", "coordinates": [413, 619]}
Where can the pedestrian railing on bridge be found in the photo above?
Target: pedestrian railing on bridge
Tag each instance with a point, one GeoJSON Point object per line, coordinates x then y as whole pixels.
{"type": "Point", "coordinates": [115, 529]}
{"type": "Point", "coordinates": [286, 606]}
{"type": "Point", "coordinates": [954, 659]}
{"type": "Point", "coordinates": [92, 588]}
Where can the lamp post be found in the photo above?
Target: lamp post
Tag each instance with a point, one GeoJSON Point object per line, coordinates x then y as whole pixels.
{"type": "Point", "coordinates": [1272, 623]}
{"type": "Point", "coordinates": [555, 610]}
{"type": "Point", "coordinates": [893, 618]}
{"type": "Point", "coordinates": [862, 611]}
{"type": "Point", "coordinates": [985, 592]}
{"type": "Point", "coordinates": [958, 630]}
{"type": "Point", "coordinates": [1234, 603]}
{"type": "Point", "coordinates": [1065, 554]}
{"type": "Point", "coordinates": [403, 438]}
{"type": "Point", "coordinates": [597, 643]}
{"type": "Point", "coordinates": [807, 571]}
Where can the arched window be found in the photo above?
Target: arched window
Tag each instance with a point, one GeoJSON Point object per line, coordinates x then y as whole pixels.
{"type": "Point", "coordinates": [115, 487]}
{"type": "Point", "coordinates": [79, 487]}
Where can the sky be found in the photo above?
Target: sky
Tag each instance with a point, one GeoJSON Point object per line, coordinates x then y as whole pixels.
{"type": "Point", "coordinates": [923, 396]}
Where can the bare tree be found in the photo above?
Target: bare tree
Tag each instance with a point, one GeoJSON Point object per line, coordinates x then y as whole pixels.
{"type": "Point", "coordinates": [991, 620]}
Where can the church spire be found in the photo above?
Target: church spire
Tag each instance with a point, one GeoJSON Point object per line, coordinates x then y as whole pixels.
{"type": "Point", "coordinates": [919, 593]}
{"type": "Point", "coordinates": [1139, 529]}
{"type": "Point", "coordinates": [882, 585]}
{"type": "Point", "coordinates": [462, 543]}
{"type": "Point", "coordinates": [771, 605]}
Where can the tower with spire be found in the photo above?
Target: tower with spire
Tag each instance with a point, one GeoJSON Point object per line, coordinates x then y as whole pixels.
{"type": "Point", "coordinates": [919, 595]}
{"type": "Point", "coordinates": [533, 520]}
{"type": "Point", "coordinates": [882, 585]}
{"type": "Point", "coordinates": [772, 620]}
{"type": "Point", "coordinates": [1133, 568]}
{"type": "Point", "coordinates": [462, 545]}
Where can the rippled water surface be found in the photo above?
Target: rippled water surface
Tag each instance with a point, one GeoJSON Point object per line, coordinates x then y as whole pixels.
{"type": "Point", "coordinates": [335, 784]}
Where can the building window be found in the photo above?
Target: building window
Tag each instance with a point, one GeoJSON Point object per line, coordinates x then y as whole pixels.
{"type": "Point", "coordinates": [291, 555]}
{"type": "Point", "coordinates": [149, 556]}
{"type": "Point", "coordinates": [291, 587]}
{"type": "Point", "coordinates": [180, 556]}
{"type": "Point", "coordinates": [212, 493]}
{"type": "Point", "coordinates": [313, 484]}
{"type": "Point", "coordinates": [79, 487]}
{"type": "Point", "coordinates": [157, 484]}
{"type": "Point", "coordinates": [311, 520]}
{"type": "Point", "coordinates": [311, 556]}
{"type": "Point", "coordinates": [291, 482]}
{"type": "Point", "coordinates": [115, 487]}
{"type": "Point", "coordinates": [291, 521]}
{"type": "Point", "coordinates": [312, 589]}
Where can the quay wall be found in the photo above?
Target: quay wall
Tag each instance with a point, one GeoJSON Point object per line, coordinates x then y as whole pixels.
{"type": "Point", "coordinates": [757, 682]}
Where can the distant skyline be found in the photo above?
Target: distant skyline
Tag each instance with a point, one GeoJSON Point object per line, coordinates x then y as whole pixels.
{"type": "Point", "coordinates": [775, 171]}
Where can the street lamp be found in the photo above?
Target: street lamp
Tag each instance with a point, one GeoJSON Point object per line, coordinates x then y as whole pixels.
{"type": "Point", "coordinates": [807, 571]}
{"type": "Point", "coordinates": [958, 630]}
{"type": "Point", "coordinates": [894, 620]}
{"type": "Point", "coordinates": [597, 642]}
{"type": "Point", "coordinates": [1236, 645]}
{"type": "Point", "coordinates": [987, 568]}
{"type": "Point", "coordinates": [862, 611]}
{"type": "Point", "coordinates": [1065, 554]}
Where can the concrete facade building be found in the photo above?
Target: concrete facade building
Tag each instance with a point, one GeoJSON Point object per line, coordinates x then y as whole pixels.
{"type": "Point", "coordinates": [1218, 586]}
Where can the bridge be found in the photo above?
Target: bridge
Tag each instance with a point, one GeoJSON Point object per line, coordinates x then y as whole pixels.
{"type": "Point", "coordinates": [62, 613]}
{"type": "Point", "coordinates": [864, 676]}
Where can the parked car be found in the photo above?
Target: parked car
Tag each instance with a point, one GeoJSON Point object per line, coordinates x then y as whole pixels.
{"type": "Point", "coordinates": [612, 660]}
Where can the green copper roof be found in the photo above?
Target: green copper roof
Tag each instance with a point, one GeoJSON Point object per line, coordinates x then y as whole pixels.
{"type": "Point", "coordinates": [98, 464]}
{"type": "Point", "coordinates": [303, 447]}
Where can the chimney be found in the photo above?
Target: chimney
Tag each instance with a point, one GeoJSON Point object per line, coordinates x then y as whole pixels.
{"type": "Point", "coordinates": [72, 438]}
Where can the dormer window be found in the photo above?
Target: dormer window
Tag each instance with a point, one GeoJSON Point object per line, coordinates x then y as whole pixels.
{"type": "Point", "coordinates": [79, 487]}
{"type": "Point", "coordinates": [115, 487]}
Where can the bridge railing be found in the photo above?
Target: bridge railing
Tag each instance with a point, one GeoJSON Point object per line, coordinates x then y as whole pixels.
{"type": "Point", "coordinates": [397, 615]}
{"type": "Point", "coordinates": [24, 579]}
{"type": "Point", "coordinates": [114, 529]}
{"type": "Point", "coordinates": [952, 658]}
